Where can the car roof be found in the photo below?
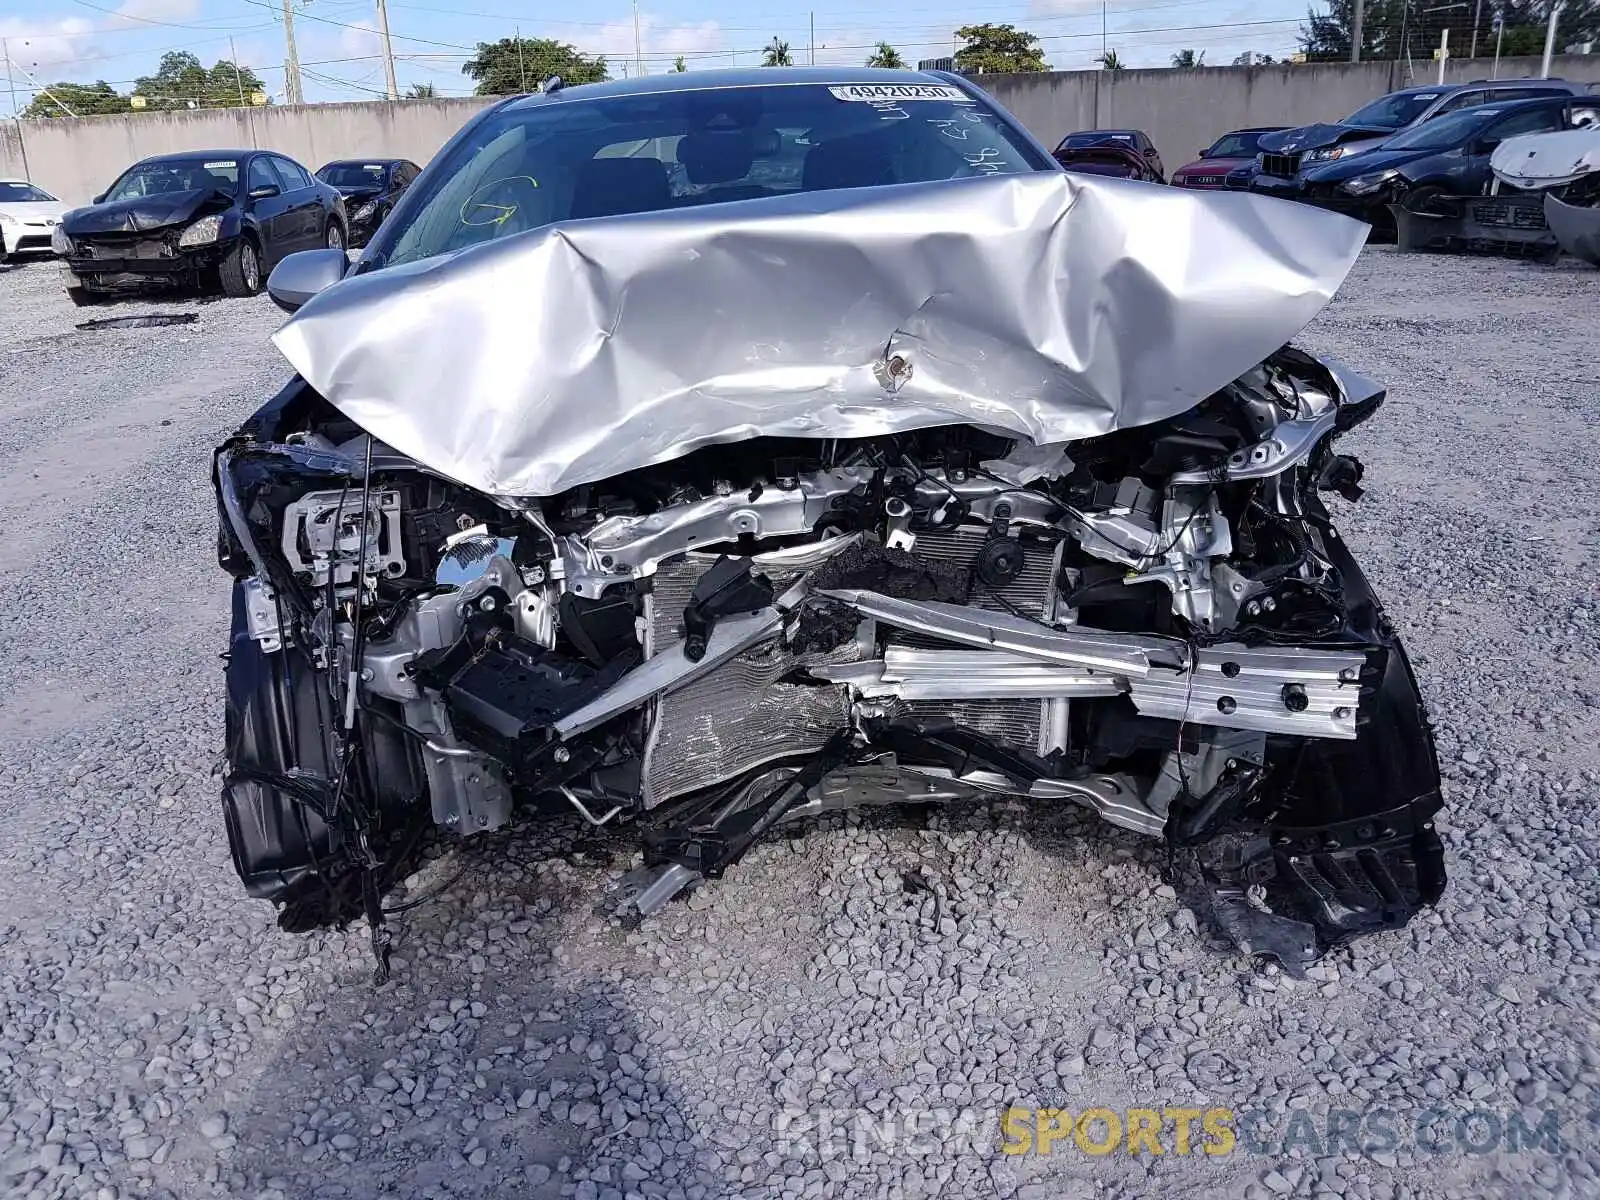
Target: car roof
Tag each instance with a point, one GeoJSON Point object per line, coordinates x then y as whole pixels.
{"type": "Point", "coordinates": [339, 162]}
{"type": "Point", "coordinates": [693, 81]}
{"type": "Point", "coordinates": [1443, 89]}
{"type": "Point", "coordinates": [1258, 129]}
{"type": "Point", "coordinates": [190, 155]}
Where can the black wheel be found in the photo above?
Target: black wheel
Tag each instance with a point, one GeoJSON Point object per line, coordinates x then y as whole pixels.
{"type": "Point", "coordinates": [334, 239]}
{"type": "Point", "coordinates": [241, 270]}
{"type": "Point", "coordinates": [83, 297]}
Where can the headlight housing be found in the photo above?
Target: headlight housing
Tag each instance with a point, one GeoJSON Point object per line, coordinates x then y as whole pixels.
{"type": "Point", "coordinates": [203, 232]}
{"type": "Point", "coordinates": [1335, 153]}
{"type": "Point", "coordinates": [1365, 185]}
{"type": "Point", "coordinates": [365, 211]}
{"type": "Point", "coordinates": [60, 243]}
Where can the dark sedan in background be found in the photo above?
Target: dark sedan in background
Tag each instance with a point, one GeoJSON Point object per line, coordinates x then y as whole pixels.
{"type": "Point", "coordinates": [1447, 156]}
{"type": "Point", "coordinates": [212, 218]}
{"type": "Point", "coordinates": [1235, 151]}
{"type": "Point", "coordinates": [370, 187]}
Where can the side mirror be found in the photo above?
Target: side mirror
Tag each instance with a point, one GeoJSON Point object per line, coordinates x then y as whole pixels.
{"type": "Point", "coordinates": [100, 199]}
{"type": "Point", "coordinates": [300, 276]}
{"type": "Point", "coordinates": [265, 192]}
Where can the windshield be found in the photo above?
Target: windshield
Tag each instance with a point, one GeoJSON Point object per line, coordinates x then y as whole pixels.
{"type": "Point", "coordinates": [353, 175]}
{"type": "Point", "coordinates": [22, 193]}
{"type": "Point", "coordinates": [1445, 132]}
{"type": "Point", "coordinates": [1096, 137]}
{"type": "Point", "coordinates": [176, 175]}
{"type": "Point", "coordinates": [1393, 112]}
{"type": "Point", "coordinates": [527, 166]}
{"type": "Point", "coordinates": [1235, 145]}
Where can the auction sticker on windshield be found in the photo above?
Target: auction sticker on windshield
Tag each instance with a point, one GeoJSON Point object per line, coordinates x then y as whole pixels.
{"type": "Point", "coordinates": [876, 93]}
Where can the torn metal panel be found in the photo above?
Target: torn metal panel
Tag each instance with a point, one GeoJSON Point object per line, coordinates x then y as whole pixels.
{"type": "Point", "coordinates": [1045, 305]}
{"type": "Point", "coordinates": [1576, 229]}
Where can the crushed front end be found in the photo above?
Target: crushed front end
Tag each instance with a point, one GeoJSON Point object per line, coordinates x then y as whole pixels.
{"type": "Point", "coordinates": [1160, 623]}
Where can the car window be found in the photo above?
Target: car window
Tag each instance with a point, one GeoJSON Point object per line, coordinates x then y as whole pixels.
{"type": "Point", "coordinates": [1393, 111]}
{"type": "Point", "coordinates": [1448, 131]}
{"type": "Point", "coordinates": [534, 163]}
{"type": "Point", "coordinates": [1466, 100]}
{"type": "Point", "coordinates": [353, 174]}
{"type": "Point", "coordinates": [21, 193]}
{"type": "Point", "coordinates": [261, 175]}
{"type": "Point", "coordinates": [159, 176]}
{"type": "Point", "coordinates": [1540, 120]}
{"type": "Point", "coordinates": [294, 175]}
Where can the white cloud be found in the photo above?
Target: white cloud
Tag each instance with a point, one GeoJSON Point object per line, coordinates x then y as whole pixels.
{"type": "Point", "coordinates": [658, 41]}
{"type": "Point", "coordinates": [360, 39]}
{"type": "Point", "coordinates": [43, 47]}
{"type": "Point", "coordinates": [144, 12]}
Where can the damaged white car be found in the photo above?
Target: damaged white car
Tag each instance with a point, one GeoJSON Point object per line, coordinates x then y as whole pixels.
{"type": "Point", "coordinates": [704, 452]}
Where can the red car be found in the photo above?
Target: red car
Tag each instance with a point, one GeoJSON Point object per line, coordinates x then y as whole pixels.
{"type": "Point", "coordinates": [1128, 153]}
{"type": "Point", "coordinates": [1234, 151]}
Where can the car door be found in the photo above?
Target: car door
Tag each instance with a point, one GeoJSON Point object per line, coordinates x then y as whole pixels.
{"type": "Point", "coordinates": [1474, 163]}
{"type": "Point", "coordinates": [264, 194]}
{"type": "Point", "coordinates": [304, 216]}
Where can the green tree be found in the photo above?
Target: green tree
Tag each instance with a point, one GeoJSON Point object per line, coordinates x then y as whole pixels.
{"type": "Point", "coordinates": [777, 54]}
{"type": "Point", "coordinates": [514, 65]}
{"type": "Point", "coordinates": [181, 82]}
{"type": "Point", "coordinates": [886, 56]}
{"type": "Point", "coordinates": [83, 99]}
{"type": "Point", "coordinates": [422, 91]}
{"type": "Point", "coordinates": [679, 66]}
{"type": "Point", "coordinates": [1109, 61]}
{"type": "Point", "coordinates": [1188, 60]}
{"type": "Point", "coordinates": [998, 50]}
{"type": "Point", "coordinates": [1388, 29]}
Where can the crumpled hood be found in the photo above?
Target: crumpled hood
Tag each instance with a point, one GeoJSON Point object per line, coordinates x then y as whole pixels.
{"type": "Point", "coordinates": [144, 213]}
{"type": "Point", "coordinates": [1539, 160]}
{"type": "Point", "coordinates": [1049, 306]}
{"type": "Point", "coordinates": [359, 194]}
{"type": "Point", "coordinates": [1315, 137]}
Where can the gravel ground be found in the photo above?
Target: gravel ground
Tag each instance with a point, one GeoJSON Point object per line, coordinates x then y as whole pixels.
{"type": "Point", "coordinates": [786, 1030]}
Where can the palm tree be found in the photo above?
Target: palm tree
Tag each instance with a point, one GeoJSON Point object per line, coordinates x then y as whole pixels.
{"type": "Point", "coordinates": [886, 56]}
{"type": "Point", "coordinates": [778, 54]}
{"type": "Point", "coordinates": [1188, 60]}
{"type": "Point", "coordinates": [679, 66]}
{"type": "Point", "coordinates": [422, 91]}
{"type": "Point", "coordinates": [1109, 60]}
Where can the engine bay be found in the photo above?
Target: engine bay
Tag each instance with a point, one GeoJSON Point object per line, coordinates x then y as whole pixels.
{"type": "Point", "coordinates": [1160, 624]}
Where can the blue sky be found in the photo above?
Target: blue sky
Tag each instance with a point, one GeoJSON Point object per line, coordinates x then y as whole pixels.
{"type": "Point", "coordinates": [118, 41]}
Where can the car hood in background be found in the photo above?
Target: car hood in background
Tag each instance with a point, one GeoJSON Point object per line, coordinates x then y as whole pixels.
{"type": "Point", "coordinates": [1315, 137]}
{"type": "Point", "coordinates": [359, 194]}
{"type": "Point", "coordinates": [1540, 160]}
{"type": "Point", "coordinates": [1213, 166]}
{"type": "Point", "coordinates": [1368, 163]}
{"type": "Point", "coordinates": [1048, 306]}
{"type": "Point", "coordinates": [144, 213]}
{"type": "Point", "coordinates": [34, 211]}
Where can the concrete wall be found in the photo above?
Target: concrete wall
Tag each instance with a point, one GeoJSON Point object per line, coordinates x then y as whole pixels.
{"type": "Point", "coordinates": [1181, 110]}
{"type": "Point", "coordinates": [78, 158]}
{"type": "Point", "coordinates": [1185, 110]}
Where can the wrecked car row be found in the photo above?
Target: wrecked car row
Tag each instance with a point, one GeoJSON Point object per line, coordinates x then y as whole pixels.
{"type": "Point", "coordinates": [593, 516]}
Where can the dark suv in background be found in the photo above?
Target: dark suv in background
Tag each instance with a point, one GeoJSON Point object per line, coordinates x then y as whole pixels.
{"type": "Point", "coordinates": [1285, 156]}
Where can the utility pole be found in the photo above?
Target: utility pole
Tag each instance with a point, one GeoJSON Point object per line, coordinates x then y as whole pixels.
{"type": "Point", "coordinates": [1499, 36]}
{"type": "Point", "coordinates": [522, 67]}
{"type": "Point", "coordinates": [811, 52]}
{"type": "Point", "coordinates": [1550, 39]}
{"type": "Point", "coordinates": [11, 80]}
{"type": "Point", "coordinates": [388, 50]}
{"type": "Point", "coordinates": [238, 79]}
{"type": "Point", "coordinates": [1477, 15]}
{"type": "Point", "coordinates": [292, 91]}
{"type": "Point", "coordinates": [638, 42]}
{"type": "Point", "coordinates": [1444, 51]}
{"type": "Point", "coordinates": [1355, 30]}
{"type": "Point", "coordinates": [1103, 35]}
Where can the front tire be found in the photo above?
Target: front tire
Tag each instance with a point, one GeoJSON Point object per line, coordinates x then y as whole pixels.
{"type": "Point", "coordinates": [83, 297]}
{"type": "Point", "coordinates": [333, 239]}
{"type": "Point", "coordinates": [240, 271]}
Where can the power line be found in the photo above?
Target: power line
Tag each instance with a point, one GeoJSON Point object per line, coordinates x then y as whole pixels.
{"type": "Point", "coordinates": [121, 16]}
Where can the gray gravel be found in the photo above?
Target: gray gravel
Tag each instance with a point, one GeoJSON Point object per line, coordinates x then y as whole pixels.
{"type": "Point", "coordinates": [159, 1037]}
